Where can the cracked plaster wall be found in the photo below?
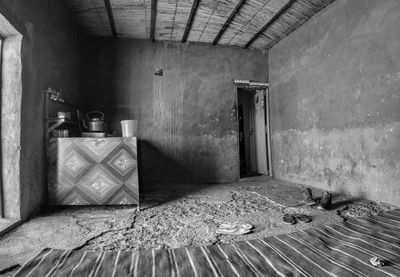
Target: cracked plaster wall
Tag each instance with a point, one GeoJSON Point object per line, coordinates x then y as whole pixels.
{"type": "Point", "coordinates": [49, 56]}
{"type": "Point", "coordinates": [187, 117]}
{"type": "Point", "coordinates": [335, 98]}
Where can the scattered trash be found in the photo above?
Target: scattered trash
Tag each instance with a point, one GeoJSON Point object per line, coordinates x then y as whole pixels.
{"type": "Point", "coordinates": [293, 218]}
{"type": "Point", "coordinates": [289, 219]}
{"type": "Point", "coordinates": [326, 201]}
{"type": "Point", "coordinates": [234, 228]}
{"type": "Point", "coordinates": [302, 218]}
{"type": "Point", "coordinates": [376, 262]}
{"type": "Point", "coordinates": [308, 198]}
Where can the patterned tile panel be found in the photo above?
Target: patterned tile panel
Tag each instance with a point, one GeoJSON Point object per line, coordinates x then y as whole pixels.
{"type": "Point", "coordinates": [61, 189]}
{"type": "Point", "coordinates": [93, 171]}
{"type": "Point", "coordinates": [98, 149]}
{"type": "Point", "coordinates": [74, 198]}
{"type": "Point", "coordinates": [100, 184]}
{"type": "Point", "coordinates": [123, 162]}
{"type": "Point", "coordinates": [122, 198]}
{"type": "Point", "coordinates": [132, 183]}
{"type": "Point", "coordinates": [74, 163]}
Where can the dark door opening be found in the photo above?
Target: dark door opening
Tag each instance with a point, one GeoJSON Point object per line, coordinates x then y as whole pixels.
{"type": "Point", "coordinates": [253, 135]}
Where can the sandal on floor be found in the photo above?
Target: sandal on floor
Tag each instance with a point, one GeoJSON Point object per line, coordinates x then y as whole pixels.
{"type": "Point", "coordinates": [376, 262]}
{"type": "Point", "coordinates": [233, 231]}
{"type": "Point", "coordinates": [303, 218]}
{"type": "Point", "coordinates": [289, 219]}
{"type": "Point", "coordinates": [235, 225]}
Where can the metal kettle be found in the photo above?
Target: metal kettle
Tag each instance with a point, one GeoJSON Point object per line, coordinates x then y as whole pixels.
{"type": "Point", "coordinates": [95, 122]}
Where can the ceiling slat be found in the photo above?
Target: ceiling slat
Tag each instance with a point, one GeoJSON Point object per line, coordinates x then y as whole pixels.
{"type": "Point", "coordinates": [299, 13]}
{"type": "Point", "coordinates": [153, 19]}
{"type": "Point", "coordinates": [190, 20]}
{"type": "Point", "coordinates": [228, 21]}
{"type": "Point", "coordinates": [173, 21]}
{"type": "Point", "coordinates": [111, 18]}
{"type": "Point", "coordinates": [253, 15]}
{"type": "Point", "coordinates": [270, 22]}
{"type": "Point", "coordinates": [207, 22]}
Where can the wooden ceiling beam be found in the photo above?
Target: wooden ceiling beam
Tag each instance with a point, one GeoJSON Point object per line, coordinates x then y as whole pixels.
{"type": "Point", "coordinates": [111, 18]}
{"type": "Point", "coordinates": [228, 21]}
{"type": "Point", "coordinates": [270, 22]}
{"type": "Point", "coordinates": [190, 20]}
{"type": "Point", "coordinates": [153, 20]}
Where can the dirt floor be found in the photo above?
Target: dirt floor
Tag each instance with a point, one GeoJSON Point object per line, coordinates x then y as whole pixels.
{"type": "Point", "coordinates": [177, 216]}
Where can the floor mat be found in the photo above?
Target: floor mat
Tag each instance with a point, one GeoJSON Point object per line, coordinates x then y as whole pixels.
{"type": "Point", "coordinates": [338, 250]}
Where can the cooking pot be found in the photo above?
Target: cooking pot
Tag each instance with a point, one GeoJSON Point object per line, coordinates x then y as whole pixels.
{"type": "Point", "coordinates": [95, 122]}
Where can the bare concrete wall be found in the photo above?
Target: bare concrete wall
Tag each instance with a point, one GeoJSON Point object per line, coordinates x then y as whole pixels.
{"type": "Point", "coordinates": [335, 101]}
{"type": "Point", "coordinates": [50, 57]}
{"type": "Point", "coordinates": [187, 117]}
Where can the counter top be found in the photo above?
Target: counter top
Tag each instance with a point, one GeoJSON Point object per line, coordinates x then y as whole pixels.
{"type": "Point", "coordinates": [67, 138]}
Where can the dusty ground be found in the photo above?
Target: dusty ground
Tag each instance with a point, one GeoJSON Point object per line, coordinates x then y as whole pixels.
{"type": "Point", "coordinates": [175, 217]}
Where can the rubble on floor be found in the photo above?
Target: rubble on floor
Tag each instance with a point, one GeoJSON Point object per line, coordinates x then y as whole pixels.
{"type": "Point", "coordinates": [364, 208]}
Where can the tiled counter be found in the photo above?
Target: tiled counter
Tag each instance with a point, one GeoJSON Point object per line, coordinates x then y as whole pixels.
{"type": "Point", "coordinates": [93, 171]}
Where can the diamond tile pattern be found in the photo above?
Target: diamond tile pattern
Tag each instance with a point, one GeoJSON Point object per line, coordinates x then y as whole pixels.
{"type": "Point", "coordinates": [99, 184]}
{"type": "Point", "coordinates": [75, 163]}
{"type": "Point", "coordinates": [123, 162]}
{"type": "Point", "coordinates": [99, 149]}
{"type": "Point", "coordinates": [93, 171]}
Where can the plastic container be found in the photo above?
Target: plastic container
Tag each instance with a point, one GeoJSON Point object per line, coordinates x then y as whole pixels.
{"type": "Point", "coordinates": [129, 128]}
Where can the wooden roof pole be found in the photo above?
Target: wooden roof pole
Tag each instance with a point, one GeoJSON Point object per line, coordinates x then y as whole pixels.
{"type": "Point", "coordinates": [228, 21]}
{"type": "Point", "coordinates": [111, 18]}
{"type": "Point", "coordinates": [153, 20]}
{"type": "Point", "coordinates": [190, 19]}
{"type": "Point", "coordinates": [270, 22]}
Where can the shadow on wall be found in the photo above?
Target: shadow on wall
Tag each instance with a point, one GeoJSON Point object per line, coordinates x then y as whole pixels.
{"type": "Point", "coordinates": [164, 178]}
{"type": "Point", "coordinates": [187, 117]}
{"type": "Point", "coordinates": [159, 168]}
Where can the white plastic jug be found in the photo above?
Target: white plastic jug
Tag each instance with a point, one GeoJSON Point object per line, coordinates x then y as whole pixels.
{"type": "Point", "coordinates": [129, 128]}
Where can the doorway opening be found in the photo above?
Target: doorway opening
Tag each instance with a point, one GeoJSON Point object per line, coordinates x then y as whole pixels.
{"type": "Point", "coordinates": [253, 125]}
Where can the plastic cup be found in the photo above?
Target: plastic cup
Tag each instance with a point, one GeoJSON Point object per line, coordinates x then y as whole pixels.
{"type": "Point", "coordinates": [129, 128]}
